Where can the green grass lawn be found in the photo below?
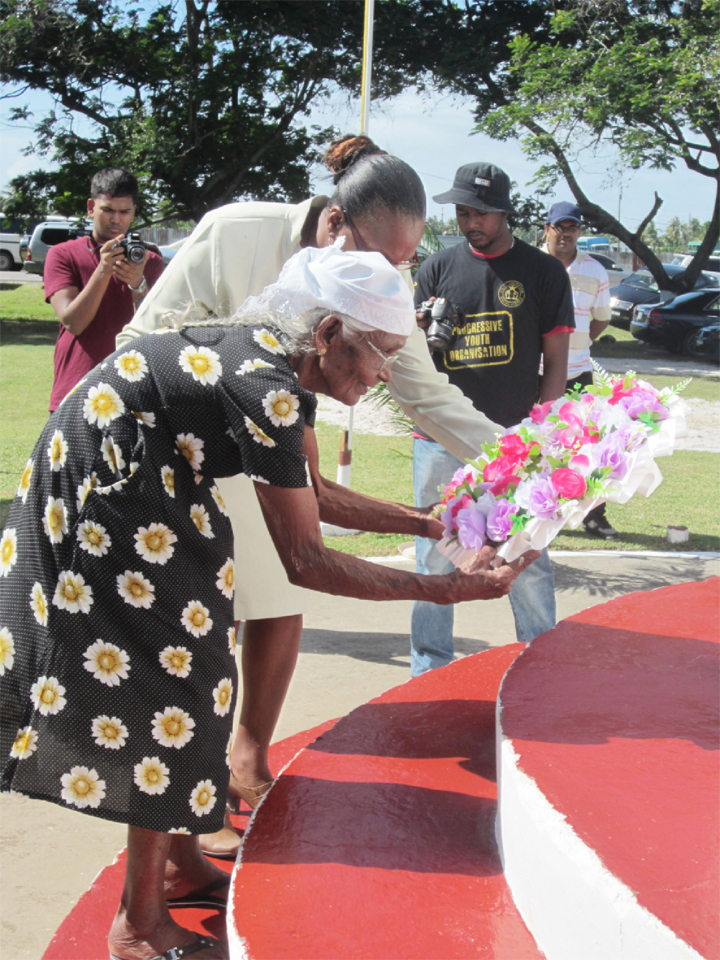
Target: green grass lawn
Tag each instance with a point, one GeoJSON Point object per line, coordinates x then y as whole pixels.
{"type": "Point", "coordinates": [382, 466]}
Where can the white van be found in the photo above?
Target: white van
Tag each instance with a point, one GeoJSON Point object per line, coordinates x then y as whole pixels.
{"type": "Point", "coordinates": [10, 258]}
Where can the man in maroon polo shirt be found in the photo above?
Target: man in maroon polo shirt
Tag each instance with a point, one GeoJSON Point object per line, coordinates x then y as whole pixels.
{"type": "Point", "coordinates": [90, 284]}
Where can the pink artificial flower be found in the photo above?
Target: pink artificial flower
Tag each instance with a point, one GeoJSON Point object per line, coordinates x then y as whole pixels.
{"type": "Point", "coordinates": [580, 462]}
{"type": "Point", "coordinates": [618, 392]}
{"type": "Point", "coordinates": [569, 483]}
{"type": "Point", "coordinates": [500, 467]}
{"type": "Point", "coordinates": [540, 411]}
{"type": "Point", "coordinates": [572, 413]}
{"type": "Point", "coordinates": [503, 485]}
{"type": "Point", "coordinates": [512, 446]}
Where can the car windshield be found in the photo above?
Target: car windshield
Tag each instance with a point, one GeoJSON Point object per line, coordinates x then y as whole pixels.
{"type": "Point", "coordinates": [641, 281]}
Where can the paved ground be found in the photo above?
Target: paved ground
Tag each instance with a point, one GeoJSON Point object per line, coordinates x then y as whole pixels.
{"type": "Point", "coordinates": [352, 651]}
{"type": "Point", "coordinates": [19, 276]}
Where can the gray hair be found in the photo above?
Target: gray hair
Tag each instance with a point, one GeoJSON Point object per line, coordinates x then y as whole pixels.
{"type": "Point", "coordinates": [299, 328]}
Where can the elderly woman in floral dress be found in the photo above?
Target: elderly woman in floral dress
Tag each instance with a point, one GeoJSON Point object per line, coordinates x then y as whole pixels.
{"type": "Point", "coordinates": [117, 675]}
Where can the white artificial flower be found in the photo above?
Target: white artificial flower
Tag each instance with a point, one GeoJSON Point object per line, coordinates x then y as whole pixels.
{"type": "Point", "coordinates": [72, 593]}
{"type": "Point", "coordinates": [247, 366]}
{"type": "Point", "coordinates": [136, 590]}
{"type": "Point", "coordinates": [173, 727]}
{"type": "Point", "coordinates": [25, 743]}
{"type": "Point", "coordinates": [176, 660]}
{"type": "Point", "coordinates": [196, 619]}
{"type": "Point", "coordinates": [258, 435]}
{"type": "Point", "coordinates": [201, 519]}
{"type": "Point", "coordinates": [102, 405]}
{"type": "Point", "coordinates": [219, 502]}
{"type": "Point", "coordinates": [48, 696]}
{"type": "Point", "coordinates": [226, 579]}
{"type": "Point", "coordinates": [267, 341]}
{"type": "Point", "coordinates": [7, 651]}
{"type": "Point", "coordinates": [155, 543]}
{"type": "Point", "coordinates": [168, 479]}
{"type": "Point", "coordinates": [107, 663]}
{"type": "Point", "coordinates": [203, 363]}
{"type": "Point", "coordinates": [8, 550]}
{"type": "Point", "coordinates": [222, 695]}
{"type": "Point", "coordinates": [82, 788]}
{"type": "Point", "coordinates": [281, 407]}
{"type": "Point", "coordinates": [57, 451]}
{"type": "Point", "coordinates": [38, 604]}
{"type": "Point", "coordinates": [109, 732]}
{"type": "Point", "coordinates": [112, 454]}
{"type": "Point", "coordinates": [153, 777]}
{"type": "Point", "coordinates": [55, 519]}
{"type": "Point", "coordinates": [93, 538]}
{"type": "Point", "coordinates": [24, 485]}
{"type": "Point", "coordinates": [131, 366]}
{"type": "Point", "coordinates": [191, 447]}
{"type": "Point", "coordinates": [203, 798]}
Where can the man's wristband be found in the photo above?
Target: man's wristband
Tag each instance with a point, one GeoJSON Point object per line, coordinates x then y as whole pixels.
{"type": "Point", "coordinates": [142, 288]}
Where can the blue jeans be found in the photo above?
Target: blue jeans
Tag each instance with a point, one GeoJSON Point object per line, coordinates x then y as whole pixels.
{"type": "Point", "coordinates": [532, 597]}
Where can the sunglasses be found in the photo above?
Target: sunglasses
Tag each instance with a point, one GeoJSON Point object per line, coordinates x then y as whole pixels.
{"type": "Point", "coordinates": [364, 248]}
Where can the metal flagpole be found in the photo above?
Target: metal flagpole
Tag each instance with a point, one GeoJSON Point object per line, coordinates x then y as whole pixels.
{"type": "Point", "coordinates": [345, 456]}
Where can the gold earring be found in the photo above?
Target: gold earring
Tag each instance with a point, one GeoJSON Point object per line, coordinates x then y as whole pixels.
{"type": "Point", "coordinates": [322, 351]}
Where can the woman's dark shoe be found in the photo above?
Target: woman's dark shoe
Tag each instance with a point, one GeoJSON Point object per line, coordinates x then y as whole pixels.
{"type": "Point", "coordinates": [601, 529]}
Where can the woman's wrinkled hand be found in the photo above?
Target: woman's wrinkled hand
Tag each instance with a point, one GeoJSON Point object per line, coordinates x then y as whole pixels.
{"type": "Point", "coordinates": [431, 527]}
{"type": "Point", "coordinates": [477, 579]}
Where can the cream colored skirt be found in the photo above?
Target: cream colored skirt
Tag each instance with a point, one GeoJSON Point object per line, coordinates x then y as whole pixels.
{"type": "Point", "coordinates": [262, 589]}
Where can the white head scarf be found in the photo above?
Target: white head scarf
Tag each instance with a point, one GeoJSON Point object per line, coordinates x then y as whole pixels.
{"type": "Point", "coordinates": [359, 284]}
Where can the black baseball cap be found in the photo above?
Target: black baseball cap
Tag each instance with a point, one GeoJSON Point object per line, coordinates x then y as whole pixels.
{"type": "Point", "coordinates": [482, 186]}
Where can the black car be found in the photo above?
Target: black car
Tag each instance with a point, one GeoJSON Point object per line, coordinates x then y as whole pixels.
{"type": "Point", "coordinates": [678, 325]}
{"type": "Point", "coordinates": [640, 287]}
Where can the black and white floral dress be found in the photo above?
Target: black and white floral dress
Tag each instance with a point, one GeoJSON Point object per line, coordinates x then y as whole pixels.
{"type": "Point", "coordinates": [117, 674]}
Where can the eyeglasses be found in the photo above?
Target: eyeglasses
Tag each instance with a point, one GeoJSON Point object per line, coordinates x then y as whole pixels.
{"type": "Point", "coordinates": [568, 228]}
{"type": "Point", "coordinates": [388, 359]}
{"type": "Point", "coordinates": [363, 247]}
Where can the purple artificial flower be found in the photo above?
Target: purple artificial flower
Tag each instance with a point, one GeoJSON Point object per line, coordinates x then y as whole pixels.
{"type": "Point", "coordinates": [642, 401]}
{"type": "Point", "coordinates": [449, 517]}
{"type": "Point", "coordinates": [543, 500]}
{"type": "Point", "coordinates": [500, 520]}
{"type": "Point", "coordinates": [458, 476]}
{"type": "Point", "coordinates": [471, 528]}
{"type": "Point", "coordinates": [612, 452]}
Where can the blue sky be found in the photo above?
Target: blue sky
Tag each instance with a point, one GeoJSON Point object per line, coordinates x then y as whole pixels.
{"type": "Point", "coordinates": [434, 135]}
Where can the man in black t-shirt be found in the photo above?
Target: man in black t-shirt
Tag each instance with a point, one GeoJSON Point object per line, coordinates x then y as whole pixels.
{"type": "Point", "coordinates": [515, 307]}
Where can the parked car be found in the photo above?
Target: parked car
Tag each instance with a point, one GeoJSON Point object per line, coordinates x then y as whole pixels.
{"type": "Point", "coordinates": [640, 287]}
{"type": "Point", "coordinates": [10, 258]}
{"type": "Point", "coordinates": [47, 234]}
{"type": "Point", "coordinates": [51, 232]}
{"type": "Point", "coordinates": [677, 324]}
{"type": "Point", "coordinates": [615, 273]}
{"type": "Point", "coordinates": [711, 266]}
{"type": "Point", "coordinates": [706, 343]}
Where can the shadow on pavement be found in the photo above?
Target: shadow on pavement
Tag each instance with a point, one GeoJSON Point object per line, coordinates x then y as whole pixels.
{"type": "Point", "coordinates": [383, 648]}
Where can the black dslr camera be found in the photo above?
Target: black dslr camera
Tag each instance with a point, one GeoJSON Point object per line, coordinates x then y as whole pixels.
{"type": "Point", "coordinates": [134, 248]}
{"type": "Point", "coordinates": [444, 316]}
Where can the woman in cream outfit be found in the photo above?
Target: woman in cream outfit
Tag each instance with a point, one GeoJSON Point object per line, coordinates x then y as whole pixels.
{"type": "Point", "coordinates": [233, 253]}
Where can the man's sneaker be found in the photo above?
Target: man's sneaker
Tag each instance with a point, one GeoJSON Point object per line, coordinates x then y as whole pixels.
{"type": "Point", "coordinates": [601, 529]}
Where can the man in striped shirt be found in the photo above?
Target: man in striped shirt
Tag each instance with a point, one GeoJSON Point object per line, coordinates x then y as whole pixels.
{"type": "Point", "coordinates": [591, 300]}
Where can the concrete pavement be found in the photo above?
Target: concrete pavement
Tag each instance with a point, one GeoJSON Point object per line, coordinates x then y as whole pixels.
{"type": "Point", "coordinates": [352, 650]}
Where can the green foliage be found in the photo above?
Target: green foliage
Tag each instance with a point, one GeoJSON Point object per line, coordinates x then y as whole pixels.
{"type": "Point", "coordinates": [640, 77]}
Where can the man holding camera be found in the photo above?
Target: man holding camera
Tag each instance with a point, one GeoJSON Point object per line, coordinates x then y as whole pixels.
{"type": "Point", "coordinates": [507, 306]}
{"type": "Point", "coordinates": [93, 283]}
